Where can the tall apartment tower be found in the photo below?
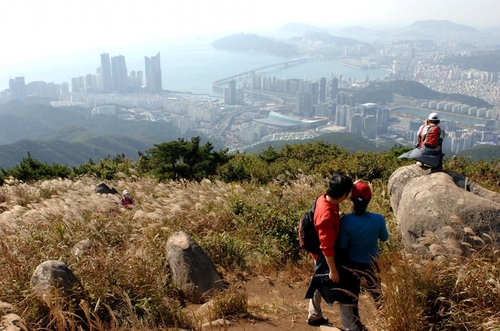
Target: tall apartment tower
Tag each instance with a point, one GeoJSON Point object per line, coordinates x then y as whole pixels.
{"type": "Point", "coordinates": [119, 74]}
{"type": "Point", "coordinates": [322, 89]}
{"type": "Point", "coordinates": [334, 87]}
{"type": "Point", "coordinates": [304, 104]}
{"type": "Point", "coordinates": [153, 73]}
{"type": "Point", "coordinates": [232, 92]}
{"type": "Point", "coordinates": [106, 82]}
{"type": "Point", "coordinates": [17, 88]}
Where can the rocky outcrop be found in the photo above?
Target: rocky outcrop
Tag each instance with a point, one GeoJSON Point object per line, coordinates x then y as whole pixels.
{"type": "Point", "coordinates": [192, 270]}
{"type": "Point", "coordinates": [442, 202]}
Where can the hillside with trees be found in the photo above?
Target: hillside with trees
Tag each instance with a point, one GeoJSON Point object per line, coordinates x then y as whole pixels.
{"type": "Point", "coordinates": [243, 211]}
{"type": "Point", "coordinates": [383, 93]}
{"type": "Point", "coordinates": [485, 61]}
{"type": "Point", "coordinates": [255, 43]}
{"type": "Point", "coordinates": [481, 152]}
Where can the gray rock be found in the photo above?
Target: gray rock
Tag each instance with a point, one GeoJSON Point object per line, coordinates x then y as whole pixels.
{"type": "Point", "coordinates": [444, 203]}
{"type": "Point", "coordinates": [105, 189]}
{"type": "Point", "coordinates": [192, 270]}
{"type": "Point", "coordinates": [399, 179]}
{"type": "Point", "coordinates": [82, 247]}
{"type": "Point", "coordinates": [55, 275]}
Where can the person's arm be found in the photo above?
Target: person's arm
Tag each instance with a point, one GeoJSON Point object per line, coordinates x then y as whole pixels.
{"type": "Point", "coordinates": [328, 230]}
{"type": "Point", "coordinates": [334, 274]}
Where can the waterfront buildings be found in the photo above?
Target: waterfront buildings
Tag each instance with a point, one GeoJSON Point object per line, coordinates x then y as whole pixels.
{"type": "Point", "coordinates": [153, 73]}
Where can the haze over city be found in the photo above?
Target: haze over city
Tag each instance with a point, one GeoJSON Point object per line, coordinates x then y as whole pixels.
{"type": "Point", "coordinates": [41, 31]}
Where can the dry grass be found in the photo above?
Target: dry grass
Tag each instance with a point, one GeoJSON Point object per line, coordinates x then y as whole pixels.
{"type": "Point", "coordinates": [246, 230]}
{"type": "Point", "coordinates": [451, 284]}
{"type": "Point", "coordinates": [125, 271]}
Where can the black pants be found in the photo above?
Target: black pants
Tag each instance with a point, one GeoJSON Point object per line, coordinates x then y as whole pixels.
{"type": "Point", "coordinates": [352, 274]}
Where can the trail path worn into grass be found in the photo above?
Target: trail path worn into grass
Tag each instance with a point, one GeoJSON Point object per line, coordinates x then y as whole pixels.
{"type": "Point", "coordinates": [278, 305]}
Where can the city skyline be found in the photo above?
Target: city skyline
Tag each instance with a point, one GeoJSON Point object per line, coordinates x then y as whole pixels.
{"type": "Point", "coordinates": [40, 30]}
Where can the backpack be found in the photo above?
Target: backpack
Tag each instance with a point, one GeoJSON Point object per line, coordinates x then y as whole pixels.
{"type": "Point", "coordinates": [432, 138]}
{"type": "Point", "coordinates": [308, 237]}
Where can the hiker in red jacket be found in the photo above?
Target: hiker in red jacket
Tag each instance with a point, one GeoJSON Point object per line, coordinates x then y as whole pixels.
{"type": "Point", "coordinates": [127, 201]}
{"type": "Point", "coordinates": [429, 149]}
{"type": "Point", "coordinates": [327, 224]}
{"type": "Point", "coordinates": [430, 135]}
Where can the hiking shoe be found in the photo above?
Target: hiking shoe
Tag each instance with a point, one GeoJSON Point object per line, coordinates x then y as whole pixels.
{"type": "Point", "coordinates": [318, 321]}
{"type": "Point", "coordinates": [361, 326]}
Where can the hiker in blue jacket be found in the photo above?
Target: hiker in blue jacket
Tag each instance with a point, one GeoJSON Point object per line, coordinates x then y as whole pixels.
{"type": "Point", "coordinates": [360, 232]}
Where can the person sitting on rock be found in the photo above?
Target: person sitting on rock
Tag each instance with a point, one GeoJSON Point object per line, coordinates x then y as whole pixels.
{"type": "Point", "coordinates": [429, 148]}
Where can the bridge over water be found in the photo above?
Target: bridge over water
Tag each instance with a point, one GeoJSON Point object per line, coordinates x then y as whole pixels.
{"type": "Point", "coordinates": [216, 86]}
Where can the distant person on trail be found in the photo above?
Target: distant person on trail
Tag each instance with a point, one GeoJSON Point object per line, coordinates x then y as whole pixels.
{"type": "Point", "coordinates": [327, 224]}
{"type": "Point", "coordinates": [429, 148]}
{"type": "Point", "coordinates": [360, 233]}
{"type": "Point", "coordinates": [127, 201]}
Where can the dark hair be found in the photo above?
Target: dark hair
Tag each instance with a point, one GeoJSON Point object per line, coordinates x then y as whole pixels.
{"type": "Point", "coordinates": [360, 206]}
{"type": "Point", "coordinates": [435, 121]}
{"type": "Point", "coordinates": [339, 185]}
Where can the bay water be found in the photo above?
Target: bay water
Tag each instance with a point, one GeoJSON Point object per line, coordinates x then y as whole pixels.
{"type": "Point", "coordinates": [190, 65]}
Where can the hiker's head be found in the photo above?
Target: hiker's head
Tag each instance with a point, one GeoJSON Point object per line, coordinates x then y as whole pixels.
{"type": "Point", "coordinates": [126, 193]}
{"type": "Point", "coordinates": [434, 118]}
{"type": "Point", "coordinates": [339, 186]}
{"type": "Point", "coordinates": [360, 196]}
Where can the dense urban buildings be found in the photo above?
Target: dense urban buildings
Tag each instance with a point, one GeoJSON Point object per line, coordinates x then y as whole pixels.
{"type": "Point", "coordinates": [255, 107]}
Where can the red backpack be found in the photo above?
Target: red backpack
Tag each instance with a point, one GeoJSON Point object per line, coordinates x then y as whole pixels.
{"type": "Point", "coordinates": [432, 137]}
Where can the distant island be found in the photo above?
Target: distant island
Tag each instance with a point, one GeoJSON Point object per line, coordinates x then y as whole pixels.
{"type": "Point", "coordinates": [255, 43]}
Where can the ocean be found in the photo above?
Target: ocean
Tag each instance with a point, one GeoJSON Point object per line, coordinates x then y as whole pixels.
{"type": "Point", "coordinates": [187, 65]}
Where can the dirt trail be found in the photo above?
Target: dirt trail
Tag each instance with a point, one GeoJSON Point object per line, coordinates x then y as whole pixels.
{"type": "Point", "coordinates": [276, 305]}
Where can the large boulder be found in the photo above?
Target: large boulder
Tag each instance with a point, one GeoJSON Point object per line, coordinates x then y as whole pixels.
{"type": "Point", "coordinates": [54, 275]}
{"type": "Point", "coordinates": [443, 202]}
{"type": "Point", "coordinates": [103, 188]}
{"type": "Point", "coordinates": [192, 270]}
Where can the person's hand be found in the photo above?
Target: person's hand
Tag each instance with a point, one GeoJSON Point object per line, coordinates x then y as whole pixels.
{"type": "Point", "coordinates": [334, 276]}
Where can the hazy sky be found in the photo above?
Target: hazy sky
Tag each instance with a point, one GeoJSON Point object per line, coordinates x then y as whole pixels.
{"type": "Point", "coordinates": [41, 28]}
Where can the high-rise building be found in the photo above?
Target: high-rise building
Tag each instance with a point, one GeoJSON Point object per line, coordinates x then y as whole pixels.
{"type": "Point", "coordinates": [383, 120]}
{"type": "Point", "coordinates": [17, 88]}
{"type": "Point", "coordinates": [232, 92]}
{"type": "Point", "coordinates": [256, 82]}
{"type": "Point", "coordinates": [334, 87]}
{"type": "Point", "coordinates": [370, 126]}
{"type": "Point", "coordinates": [153, 73]}
{"type": "Point", "coordinates": [106, 81]}
{"type": "Point", "coordinates": [119, 74]}
{"type": "Point", "coordinates": [356, 124]}
{"type": "Point", "coordinates": [322, 89]}
{"type": "Point", "coordinates": [304, 104]}
{"type": "Point", "coordinates": [140, 78]}
{"type": "Point", "coordinates": [77, 84]}
{"type": "Point", "coordinates": [313, 88]}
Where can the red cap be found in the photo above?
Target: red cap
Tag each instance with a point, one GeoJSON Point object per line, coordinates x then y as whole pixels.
{"type": "Point", "coordinates": [361, 191]}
